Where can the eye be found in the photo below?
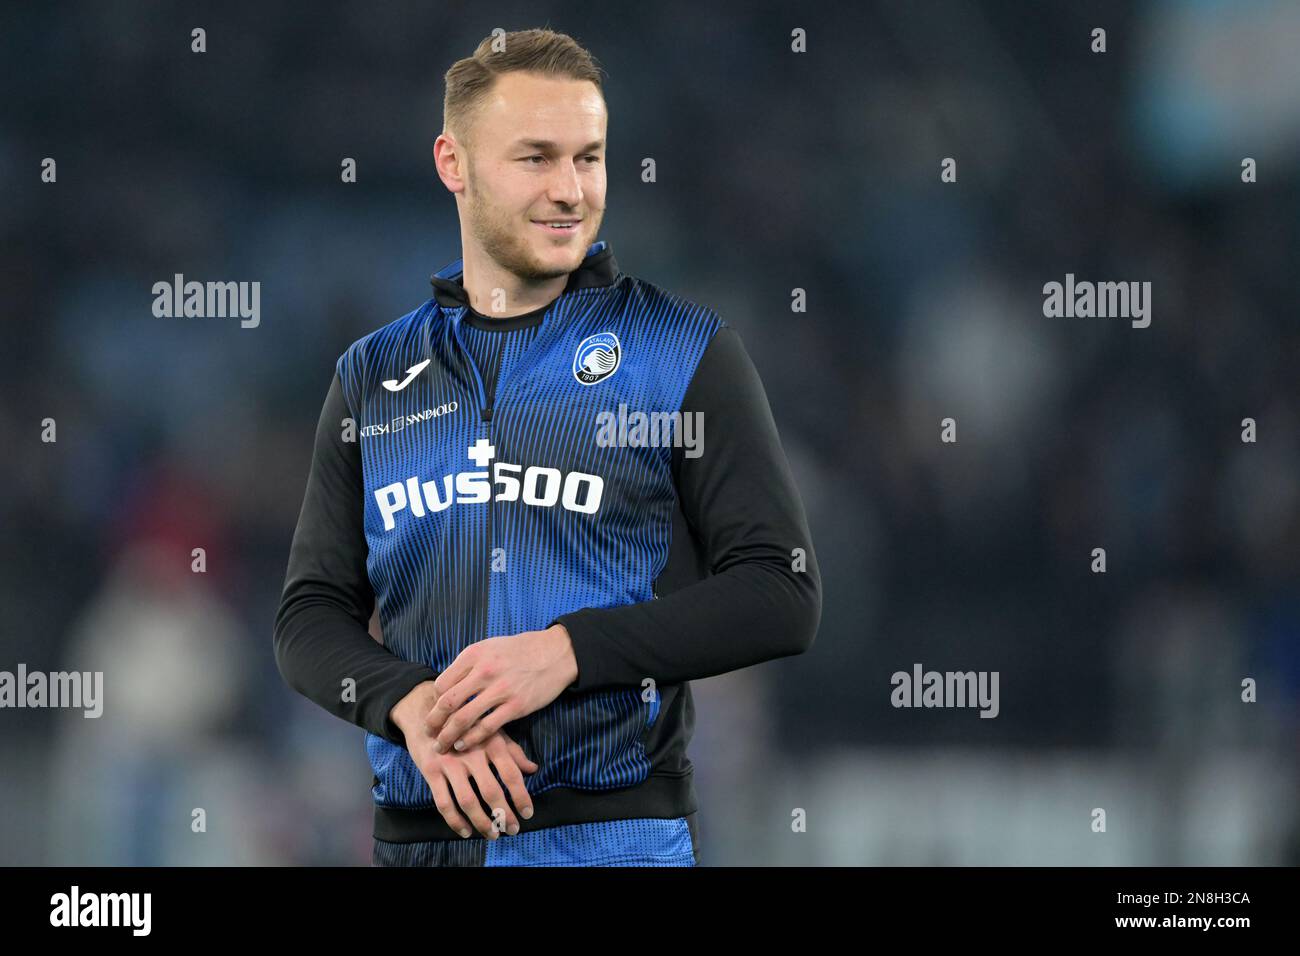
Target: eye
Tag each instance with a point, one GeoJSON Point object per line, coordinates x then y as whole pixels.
{"type": "Point", "coordinates": [594, 159]}
{"type": "Point", "coordinates": [529, 159]}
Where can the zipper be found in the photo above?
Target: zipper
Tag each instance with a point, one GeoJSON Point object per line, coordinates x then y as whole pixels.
{"type": "Point", "coordinates": [485, 410]}
{"type": "Point", "coordinates": [485, 416]}
{"type": "Point", "coordinates": [491, 525]}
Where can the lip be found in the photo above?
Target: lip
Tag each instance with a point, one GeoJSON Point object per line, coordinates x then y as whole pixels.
{"type": "Point", "coordinates": [552, 230]}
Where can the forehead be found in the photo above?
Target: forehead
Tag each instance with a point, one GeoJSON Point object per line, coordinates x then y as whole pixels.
{"type": "Point", "coordinates": [531, 106]}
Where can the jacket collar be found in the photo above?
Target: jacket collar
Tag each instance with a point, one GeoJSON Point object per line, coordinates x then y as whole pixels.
{"type": "Point", "coordinates": [598, 268]}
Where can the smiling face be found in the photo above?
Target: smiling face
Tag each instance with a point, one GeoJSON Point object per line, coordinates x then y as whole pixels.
{"type": "Point", "coordinates": [533, 174]}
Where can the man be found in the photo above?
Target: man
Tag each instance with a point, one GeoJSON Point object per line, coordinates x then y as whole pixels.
{"type": "Point", "coordinates": [549, 572]}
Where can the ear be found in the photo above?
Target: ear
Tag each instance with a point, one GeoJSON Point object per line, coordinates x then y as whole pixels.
{"type": "Point", "coordinates": [449, 161]}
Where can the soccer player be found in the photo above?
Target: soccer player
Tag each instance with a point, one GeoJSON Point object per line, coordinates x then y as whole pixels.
{"type": "Point", "coordinates": [517, 474]}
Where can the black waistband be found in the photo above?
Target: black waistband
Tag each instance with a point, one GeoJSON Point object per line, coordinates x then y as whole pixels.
{"type": "Point", "coordinates": [659, 795]}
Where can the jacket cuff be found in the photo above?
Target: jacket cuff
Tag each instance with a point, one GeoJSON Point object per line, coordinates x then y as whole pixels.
{"type": "Point", "coordinates": [588, 645]}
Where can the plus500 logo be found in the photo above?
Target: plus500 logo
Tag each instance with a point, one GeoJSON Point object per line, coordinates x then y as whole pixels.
{"type": "Point", "coordinates": [536, 485]}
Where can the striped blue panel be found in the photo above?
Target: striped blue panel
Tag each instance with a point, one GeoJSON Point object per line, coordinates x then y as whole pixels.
{"type": "Point", "coordinates": [637, 842]}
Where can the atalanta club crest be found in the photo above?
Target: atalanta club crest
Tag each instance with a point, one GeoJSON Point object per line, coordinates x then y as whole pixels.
{"type": "Point", "coordinates": [598, 357]}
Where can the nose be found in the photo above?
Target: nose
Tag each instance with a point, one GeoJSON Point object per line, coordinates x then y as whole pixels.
{"type": "Point", "coordinates": [564, 185]}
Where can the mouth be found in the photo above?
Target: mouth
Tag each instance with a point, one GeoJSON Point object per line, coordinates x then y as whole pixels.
{"type": "Point", "coordinates": [558, 227]}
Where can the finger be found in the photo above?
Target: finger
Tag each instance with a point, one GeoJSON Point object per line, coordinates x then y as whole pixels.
{"type": "Point", "coordinates": [510, 743]}
{"type": "Point", "coordinates": [521, 758]}
{"type": "Point", "coordinates": [459, 723]}
{"type": "Point", "coordinates": [488, 726]}
{"type": "Point", "coordinates": [513, 779]}
{"type": "Point", "coordinates": [432, 704]}
{"type": "Point", "coordinates": [451, 701]}
{"type": "Point", "coordinates": [453, 674]}
{"type": "Point", "coordinates": [503, 818]}
{"type": "Point", "coordinates": [469, 801]}
{"type": "Point", "coordinates": [447, 806]}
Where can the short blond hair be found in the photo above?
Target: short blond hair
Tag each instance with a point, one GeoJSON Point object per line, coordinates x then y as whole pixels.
{"type": "Point", "coordinates": [534, 51]}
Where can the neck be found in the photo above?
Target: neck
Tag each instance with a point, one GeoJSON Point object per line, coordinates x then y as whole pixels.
{"type": "Point", "coordinates": [483, 276]}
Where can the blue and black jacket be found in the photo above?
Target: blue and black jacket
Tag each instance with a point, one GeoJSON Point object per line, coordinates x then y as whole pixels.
{"type": "Point", "coordinates": [469, 490]}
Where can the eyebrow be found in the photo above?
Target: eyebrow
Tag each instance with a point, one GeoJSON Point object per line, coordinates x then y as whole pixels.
{"type": "Point", "coordinates": [547, 146]}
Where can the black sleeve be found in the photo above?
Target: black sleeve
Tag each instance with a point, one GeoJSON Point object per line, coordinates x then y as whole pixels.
{"type": "Point", "coordinates": [321, 627]}
{"type": "Point", "coordinates": [739, 498]}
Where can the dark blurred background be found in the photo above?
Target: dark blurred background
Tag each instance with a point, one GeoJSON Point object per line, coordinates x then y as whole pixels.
{"type": "Point", "coordinates": [776, 171]}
